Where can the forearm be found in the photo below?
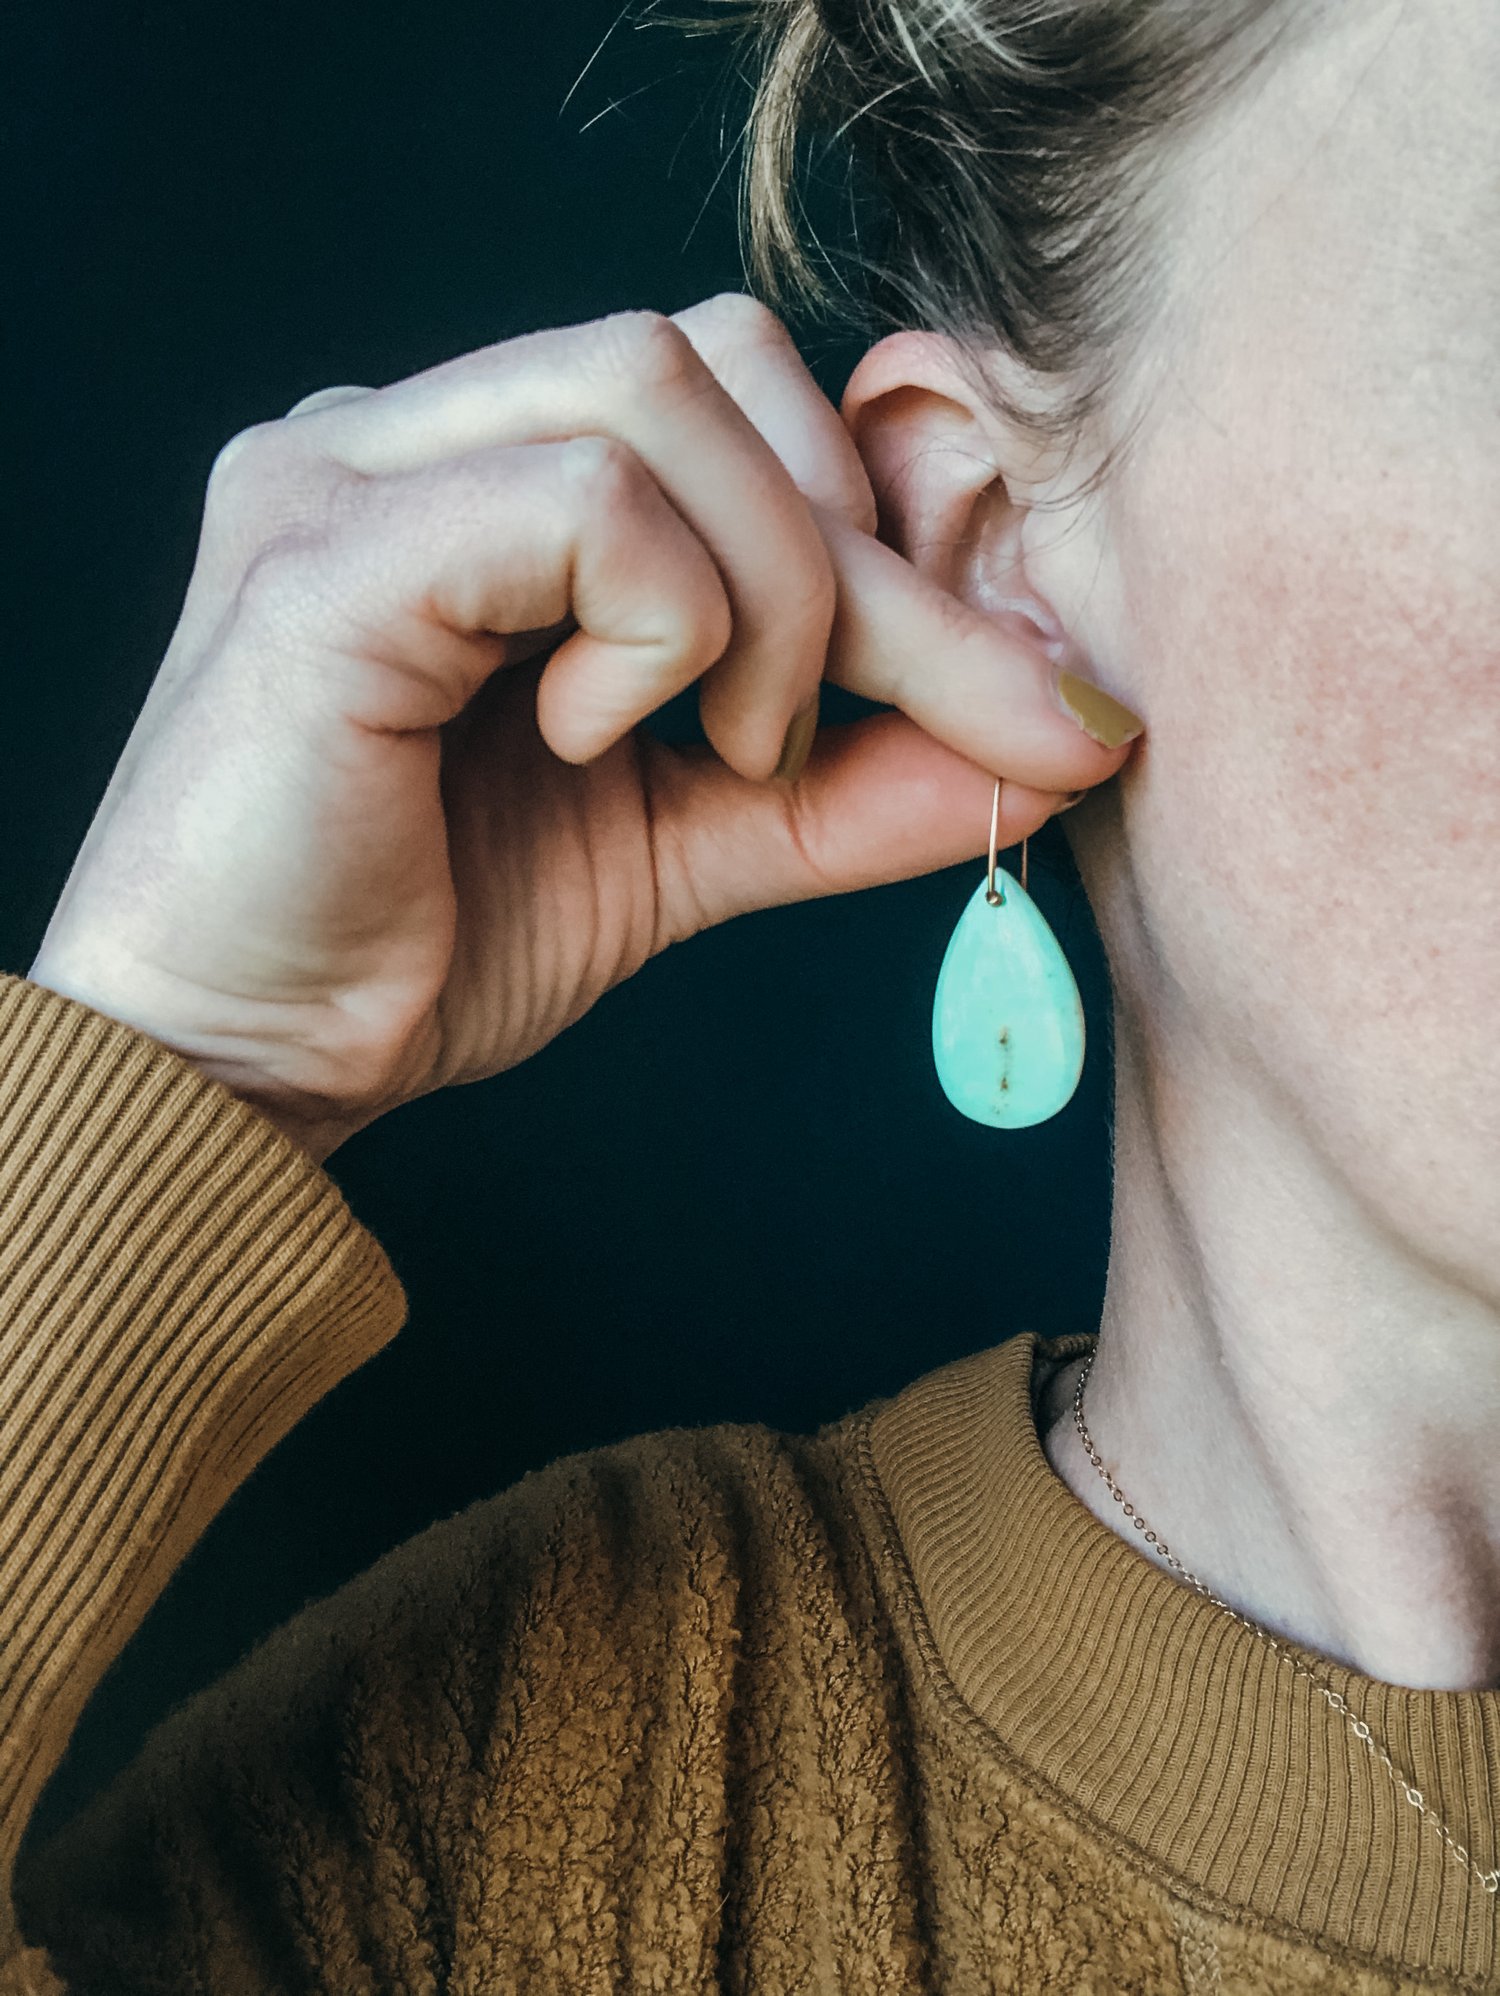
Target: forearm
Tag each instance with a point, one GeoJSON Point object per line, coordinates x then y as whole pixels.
{"type": "Point", "coordinates": [179, 1284]}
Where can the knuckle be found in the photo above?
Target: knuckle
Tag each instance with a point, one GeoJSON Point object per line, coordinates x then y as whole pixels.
{"type": "Point", "coordinates": [744, 319]}
{"type": "Point", "coordinates": [326, 398]}
{"type": "Point", "coordinates": [235, 458]}
{"type": "Point", "coordinates": [269, 500]}
{"type": "Point", "coordinates": [257, 463]}
{"type": "Point", "coordinates": [649, 348]}
{"type": "Point", "coordinates": [602, 470]}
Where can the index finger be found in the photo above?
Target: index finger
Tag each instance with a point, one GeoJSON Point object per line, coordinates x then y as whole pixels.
{"type": "Point", "coordinates": [972, 681]}
{"type": "Point", "coordinates": [639, 378]}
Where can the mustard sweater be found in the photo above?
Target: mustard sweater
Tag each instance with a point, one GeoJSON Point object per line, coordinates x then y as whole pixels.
{"type": "Point", "coordinates": [878, 1709]}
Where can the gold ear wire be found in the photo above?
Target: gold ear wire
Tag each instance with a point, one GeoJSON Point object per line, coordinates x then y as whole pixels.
{"type": "Point", "coordinates": [998, 900]}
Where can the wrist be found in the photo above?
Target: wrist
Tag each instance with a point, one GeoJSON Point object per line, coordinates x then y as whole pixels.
{"type": "Point", "coordinates": [315, 1127]}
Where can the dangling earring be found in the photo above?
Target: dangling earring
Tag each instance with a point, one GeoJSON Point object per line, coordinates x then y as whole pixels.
{"type": "Point", "coordinates": [1007, 1021]}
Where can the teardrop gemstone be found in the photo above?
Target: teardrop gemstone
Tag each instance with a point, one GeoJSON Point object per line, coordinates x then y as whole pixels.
{"type": "Point", "coordinates": [1007, 1020]}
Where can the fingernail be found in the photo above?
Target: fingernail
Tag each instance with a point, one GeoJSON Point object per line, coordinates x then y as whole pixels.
{"type": "Point", "coordinates": [1098, 713]}
{"type": "Point", "coordinates": [799, 740]}
{"type": "Point", "coordinates": [1068, 802]}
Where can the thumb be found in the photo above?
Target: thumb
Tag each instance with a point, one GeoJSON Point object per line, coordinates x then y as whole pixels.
{"type": "Point", "coordinates": [880, 800]}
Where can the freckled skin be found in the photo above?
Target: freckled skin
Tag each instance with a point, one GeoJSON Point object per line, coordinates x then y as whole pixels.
{"type": "Point", "coordinates": [1294, 576]}
{"type": "Point", "coordinates": [1299, 579]}
{"type": "Point", "coordinates": [1296, 579]}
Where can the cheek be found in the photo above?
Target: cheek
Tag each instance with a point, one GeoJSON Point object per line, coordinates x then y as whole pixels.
{"type": "Point", "coordinates": [1314, 825]}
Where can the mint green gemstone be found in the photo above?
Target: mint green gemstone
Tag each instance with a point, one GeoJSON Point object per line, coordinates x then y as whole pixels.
{"type": "Point", "coordinates": [1007, 1021]}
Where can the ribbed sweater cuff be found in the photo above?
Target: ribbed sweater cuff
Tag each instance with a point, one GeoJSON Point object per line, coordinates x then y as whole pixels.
{"type": "Point", "coordinates": [179, 1284]}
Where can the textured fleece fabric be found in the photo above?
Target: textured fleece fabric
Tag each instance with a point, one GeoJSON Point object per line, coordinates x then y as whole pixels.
{"type": "Point", "coordinates": [878, 1709]}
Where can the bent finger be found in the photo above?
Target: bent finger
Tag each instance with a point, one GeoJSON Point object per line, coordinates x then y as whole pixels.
{"type": "Point", "coordinates": [427, 574]}
{"type": "Point", "coordinates": [638, 378]}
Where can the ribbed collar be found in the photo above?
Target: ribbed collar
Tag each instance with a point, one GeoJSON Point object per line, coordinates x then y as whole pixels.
{"type": "Point", "coordinates": [1173, 1728]}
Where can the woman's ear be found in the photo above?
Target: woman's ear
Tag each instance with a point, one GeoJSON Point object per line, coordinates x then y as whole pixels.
{"type": "Point", "coordinates": [952, 477]}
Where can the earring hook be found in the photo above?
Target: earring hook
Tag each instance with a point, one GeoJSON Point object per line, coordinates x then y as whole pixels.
{"type": "Point", "coordinates": [998, 900]}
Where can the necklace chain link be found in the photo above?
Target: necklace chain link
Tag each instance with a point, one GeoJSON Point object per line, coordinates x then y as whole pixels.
{"type": "Point", "coordinates": [1490, 1880]}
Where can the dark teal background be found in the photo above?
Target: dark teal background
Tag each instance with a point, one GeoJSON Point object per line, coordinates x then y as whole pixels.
{"type": "Point", "coordinates": [734, 1191]}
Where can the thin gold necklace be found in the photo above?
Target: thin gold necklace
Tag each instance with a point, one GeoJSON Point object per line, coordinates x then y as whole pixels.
{"type": "Point", "coordinates": [1490, 1880]}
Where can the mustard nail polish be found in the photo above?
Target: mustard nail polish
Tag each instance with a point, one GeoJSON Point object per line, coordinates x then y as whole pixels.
{"type": "Point", "coordinates": [1102, 717]}
{"type": "Point", "coordinates": [799, 740]}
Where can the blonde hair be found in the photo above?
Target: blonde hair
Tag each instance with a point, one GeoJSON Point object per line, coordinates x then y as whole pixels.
{"type": "Point", "coordinates": [1006, 148]}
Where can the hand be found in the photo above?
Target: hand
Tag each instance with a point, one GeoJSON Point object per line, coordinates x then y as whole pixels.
{"type": "Point", "coordinates": [387, 822]}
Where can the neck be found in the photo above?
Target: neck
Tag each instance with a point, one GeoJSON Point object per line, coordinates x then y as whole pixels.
{"type": "Point", "coordinates": [1298, 1404]}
